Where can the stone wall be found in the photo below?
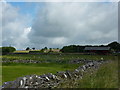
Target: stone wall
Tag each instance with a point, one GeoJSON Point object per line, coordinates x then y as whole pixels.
{"type": "Point", "coordinates": [76, 61]}
{"type": "Point", "coordinates": [53, 80]}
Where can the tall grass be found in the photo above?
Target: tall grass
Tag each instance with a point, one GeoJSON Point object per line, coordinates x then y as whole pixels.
{"type": "Point", "coordinates": [105, 77]}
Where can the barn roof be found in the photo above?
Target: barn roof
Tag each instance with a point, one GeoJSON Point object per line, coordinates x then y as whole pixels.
{"type": "Point", "coordinates": [97, 48]}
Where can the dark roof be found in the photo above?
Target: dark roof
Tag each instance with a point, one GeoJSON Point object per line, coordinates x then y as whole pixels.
{"type": "Point", "coordinates": [97, 48]}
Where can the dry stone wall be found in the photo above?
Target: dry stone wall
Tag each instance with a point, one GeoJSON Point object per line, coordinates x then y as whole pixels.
{"type": "Point", "coordinates": [76, 61]}
{"type": "Point", "coordinates": [53, 80]}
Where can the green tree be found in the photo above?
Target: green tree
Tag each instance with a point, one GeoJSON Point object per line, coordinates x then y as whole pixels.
{"type": "Point", "coordinates": [50, 50]}
{"type": "Point", "coordinates": [27, 48]}
{"type": "Point", "coordinates": [114, 46]}
{"type": "Point", "coordinates": [42, 50]}
{"type": "Point", "coordinates": [6, 50]}
{"type": "Point", "coordinates": [33, 48]}
{"type": "Point", "coordinates": [72, 49]}
{"type": "Point", "coordinates": [45, 48]}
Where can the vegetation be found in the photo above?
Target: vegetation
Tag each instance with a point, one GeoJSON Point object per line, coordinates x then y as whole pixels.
{"type": "Point", "coordinates": [72, 49]}
{"type": "Point", "coordinates": [27, 48]}
{"type": "Point", "coordinates": [115, 46]}
{"type": "Point", "coordinates": [105, 77]}
{"type": "Point", "coordinates": [11, 71]}
{"type": "Point", "coordinates": [6, 50]}
{"type": "Point", "coordinates": [35, 51]}
{"type": "Point", "coordinates": [33, 48]}
{"type": "Point", "coordinates": [56, 57]}
{"type": "Point", "coordinates": [21, 51]}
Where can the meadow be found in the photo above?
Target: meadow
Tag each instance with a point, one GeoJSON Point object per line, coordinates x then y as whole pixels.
{"type": "Point", "coordinates": [11, 71]}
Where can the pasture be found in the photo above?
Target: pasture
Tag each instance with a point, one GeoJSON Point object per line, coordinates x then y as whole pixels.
{"type": "Point", "coordinates": [56, 57]}
{"type": "Point", "coordinates": [11, 71]}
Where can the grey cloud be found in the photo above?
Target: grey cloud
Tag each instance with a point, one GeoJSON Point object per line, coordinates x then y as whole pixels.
{"type": "Point", "coordinates": [81, 23]}
{"type": "Point", "coordinates": [59, 24]}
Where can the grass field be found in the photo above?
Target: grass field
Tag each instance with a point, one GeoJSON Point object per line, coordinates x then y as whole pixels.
{"type": "Point", "coordinates": [21, 51]}
{"type": "Point", "coordinates": [105, 76]}
{"type": "Point", "coordinates": [12, 71]}
{"type": "Point", "coordinates": [27, 51]}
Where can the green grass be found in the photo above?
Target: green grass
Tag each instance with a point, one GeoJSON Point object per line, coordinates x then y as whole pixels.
{"type": "Point", "coordinates": [105, 77]}
{"type": "Point", "coordinates": [0, 75]}
{"type": "Point", "coordinates": [13, 71]}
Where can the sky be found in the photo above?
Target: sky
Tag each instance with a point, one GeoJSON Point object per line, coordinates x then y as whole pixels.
{"type": "Point", "coordinates": [57, 24]}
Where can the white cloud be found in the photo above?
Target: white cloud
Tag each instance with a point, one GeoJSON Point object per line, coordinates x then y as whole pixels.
{"type": "Point", "coordinates": [0, 25]}
{"type": "Point", "coordinates": [75, 23]}
{"type": "Point", "coordinates": [62, 0]}
{"type": "Point", "coordinates": [59, 24]}
{"type": "Point", "coordinates": [14, 27]}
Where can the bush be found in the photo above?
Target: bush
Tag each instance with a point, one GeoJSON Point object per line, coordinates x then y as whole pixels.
{"type": "Point", "coordinates": [6, 50]}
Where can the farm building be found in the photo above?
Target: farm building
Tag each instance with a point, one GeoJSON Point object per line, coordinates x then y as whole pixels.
{"type": "Point", "coordinates": [97, 50]}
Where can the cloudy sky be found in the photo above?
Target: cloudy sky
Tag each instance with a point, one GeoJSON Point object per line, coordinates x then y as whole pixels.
{"type": "Point", "coordinates": [55, 24]}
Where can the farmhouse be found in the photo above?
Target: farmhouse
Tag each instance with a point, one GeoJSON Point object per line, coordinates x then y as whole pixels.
{"type": "Point", "coordinates": [97, 50]}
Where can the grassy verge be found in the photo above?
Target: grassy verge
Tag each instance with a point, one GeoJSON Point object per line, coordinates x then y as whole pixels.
{"type": "Point", "coordinates": [105, 77]}
{"type": "Point", "coordinates": [12, 71]}
{"type": "Point", "coordinates": [0, 75]}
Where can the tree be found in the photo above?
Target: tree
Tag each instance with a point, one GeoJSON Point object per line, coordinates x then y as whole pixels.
{"type": "Point", "coordinates": [72, 49]}
{"type": "Point", "coordinates": [33, 48]}
{"type": "Point", "coordinates": [45, 48]}
{"type": "Point", "coordinates": [42, 50]}
{"type": "Point", "coordinates": [7, 50]}
{"type": "Point", "coordinates": [27, 48]}
{"type": "Point", "coordinates": [114, 46]}
{"type": "Point", "coordinates": [50, 50]}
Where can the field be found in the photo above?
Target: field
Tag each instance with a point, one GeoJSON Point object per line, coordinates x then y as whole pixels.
{"type": "Point", "coordinates": [11, 71]}
{"type": "Point", "coordinates": [56, 57]}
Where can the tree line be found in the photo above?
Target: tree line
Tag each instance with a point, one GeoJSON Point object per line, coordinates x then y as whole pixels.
{"type": "Point", "coordinates": [114, 46]}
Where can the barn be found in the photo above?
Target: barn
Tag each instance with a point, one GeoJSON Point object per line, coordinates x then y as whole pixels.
{"type": "Point", "coordinates": [97, 50]}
